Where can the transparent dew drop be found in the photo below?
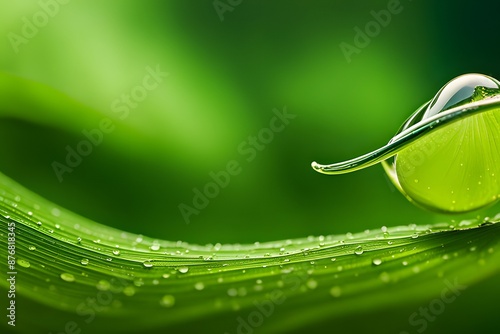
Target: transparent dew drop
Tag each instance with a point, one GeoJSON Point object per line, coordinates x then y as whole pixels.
{"type": "Point", "coordinates": [116, 252]}
{"type": "Point", "coordinates": [377, 262]}
{"type": "Point", "coordinates": [23, 263]}
{"type": "Point", "coordinates": [84, 261]}
{"type": "Point", "coordinates": [183, 270]}
{"type": "Point", "coordinates": [147, 264]}
{"type": "Point", "coordinates": [199, 286]}
{"type": "Point", "coordinates": [359, 250]}
{"type": "Point", "coordinates": [154, 247]}
{"type": "Point", "coordinates": [459, 91]}
{"type": "Point", "coordinates": [67, 277]}
{"type": "Point", "coordinates": [32, 248]}
{"type": "Point", "coordinates": [433, 157]}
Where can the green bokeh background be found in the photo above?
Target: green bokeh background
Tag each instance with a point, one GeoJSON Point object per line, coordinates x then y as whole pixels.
{"type": "Point", "coordinates": [226, 77]}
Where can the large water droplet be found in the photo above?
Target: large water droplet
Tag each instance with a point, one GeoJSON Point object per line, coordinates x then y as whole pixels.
{"type": "Point", "coordinates": [432, 159]}
{"type": "Point", "coordinates": [461, 90]}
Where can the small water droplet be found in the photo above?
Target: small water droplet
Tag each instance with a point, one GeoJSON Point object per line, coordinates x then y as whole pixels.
{"type": "Point", "coordinates": [377, 262]}
{"type": "Point", "coordinates": [129, 291]}
{"type": "Point", "coordinates": [32, 248]}
{"type": "Point", "coordinates": [358, 250]}
{"type": "Point", "coordinates": [103, 285]}
{"type": "Point", "coordinates": [23, 263]}
{"type": "Point", "coordinates": [147, 264]}
{"type": "Point", "coordinates": [199, 286]}
{"type": "Point", "coordinates": [384, 277]}
{"type": "Point", "coordinates": [84, 261]}
{"type": "Point", "coordinates": [167, 301]}
{"type": "Point", "coordinates": [183, 270]}
{"type": "Point", "coordinates": [116, 252]}
{"type": "Point", "coordinates": [67, 277]}
{"type": "Point", "coordinates": [232, 292]}
{"type": "Point", "coordinates": [154, 247]}
{"type": "Point", "coordinates": [312, 284]}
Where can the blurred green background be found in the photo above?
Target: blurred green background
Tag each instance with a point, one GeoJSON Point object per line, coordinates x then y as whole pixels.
{"type": "Point", "coordinates": [225, 79]}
